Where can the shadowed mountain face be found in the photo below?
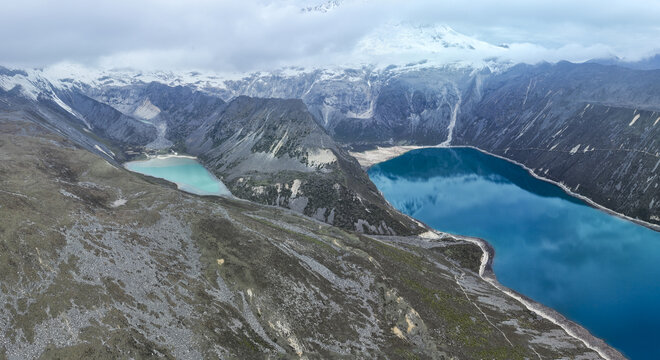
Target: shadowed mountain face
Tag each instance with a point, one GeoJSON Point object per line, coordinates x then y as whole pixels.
{"type": "Point", "coordinates": [130, 267]}
{"type": "Point", "coordinates": [269, 151]}
{"type": "Point", "coordinates": [106, 122]}
{"type": "Point", "coordinates": [273, 152]}
{"type": "Point", "coordinates": [94, 125]}
{"type": "Point", "coordinates": [396, 104]}
{"type": "Point", "coordinates": [573, 123]}
{"type": "Point", "coordinates": [175, 111]}
{"type": "Point", "coordinates": [150, 271]}
{"type": "Point", "coordinates": [594, 128]}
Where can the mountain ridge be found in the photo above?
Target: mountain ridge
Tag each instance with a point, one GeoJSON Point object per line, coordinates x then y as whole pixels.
{"type": "Point", "coordinates": [174, 275]}
{"type": "Point", "coordinates": [422, 105]}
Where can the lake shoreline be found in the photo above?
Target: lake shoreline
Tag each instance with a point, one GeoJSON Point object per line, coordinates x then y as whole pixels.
{"type": "Point", "coordinates": [572, 328]}
{"type": "Point", "coordinates": [181, 186]}
{"type": "Point", "coordinates": [168, 156]}
{"type": "Point", "coordinates": [370, 158]}
{"type": "Point", "coordinates": [486, 272]}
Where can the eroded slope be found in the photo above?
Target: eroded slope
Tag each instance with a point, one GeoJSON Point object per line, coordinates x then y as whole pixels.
{"type": "Point", "coordinates": [97, 262]}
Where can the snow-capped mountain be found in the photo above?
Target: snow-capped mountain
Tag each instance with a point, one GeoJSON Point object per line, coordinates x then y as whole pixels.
{"type": "Point", "coordinates": [433, 45]}
{"type": "Point", "coordinates": [396, 47]}
{"type": "Point", "coordinates": [324, 6]}
{"type": "Point", "coordinates": [388, 52]}
{"type": "Point", "coordinates": [333, 93]}
{"type": "Point", "coordinates": [343, 100]}
{"type": "Point", "coordinates": [417, 103]}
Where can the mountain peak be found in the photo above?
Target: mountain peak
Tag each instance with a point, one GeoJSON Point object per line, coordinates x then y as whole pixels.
{"type": "Point", "coordinates": [439, 43]}
{"type": "Point", "coordinates": [323, 7]}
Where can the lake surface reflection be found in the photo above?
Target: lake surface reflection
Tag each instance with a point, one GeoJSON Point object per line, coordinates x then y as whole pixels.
{"type": "Point", "coordinates": [597, 269]}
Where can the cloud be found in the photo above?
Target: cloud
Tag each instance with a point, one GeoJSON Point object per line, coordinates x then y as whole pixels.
{"type": "Point", "coordinates": [244, 35]}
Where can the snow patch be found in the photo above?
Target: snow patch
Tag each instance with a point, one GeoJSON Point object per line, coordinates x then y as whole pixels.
{"type": "Point", "coordinates": [656, 166]}
{"type": "Point", "coordinates": [68, 194]}
{"type": "Point", "coordinates": [68, 109]}
{"type": "Point", "coordinates": [527, 92]}
{"type": "Point", "coordinates": [429, 235]}
{"type": "Point", "coordinates": [452, 122]}
{"type": "Point", "coordinates": [319, 157]}
{"type": "Point", "coordinates": [147, 110]}
{"type": "Point", "coordinates": [559, 132]}
{"type": "Point", "coordinates": [103, 151]}
{"type": "Point", "coordinates": [295, 188]}
{"type": "Point", "coordinates": [27, 87]}
{"type": "Point", "coordinates": [279, 145]}
{"type": "Point", "coordinates": [117, 203]}
{"type": "Point", "coordinates": [634, 119]}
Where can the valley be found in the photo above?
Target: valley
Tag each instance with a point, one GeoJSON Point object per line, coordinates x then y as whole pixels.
{"type": "Point", "coordinates": [289, 149]}
{"type": "Point", "coordinates": [167, 274]}
{"type": "Point", "coordinates": [329, 179]}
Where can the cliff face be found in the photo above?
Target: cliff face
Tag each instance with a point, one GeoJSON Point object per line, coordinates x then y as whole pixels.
{"type": "Point", "coordinates": [175, 110]}
{"type": "Point", "coordinates": [595, 129]}
{"type": "Point", "coordinates": [103, 263]}
{"type": "Point", "coordinates": [539, 113]}
{"type": "Point", "coordinates": [132, 267]}
{"type": "Point", "coordinates": [266, 150]}
{"type": "Point", "coordinates": [273, 152]}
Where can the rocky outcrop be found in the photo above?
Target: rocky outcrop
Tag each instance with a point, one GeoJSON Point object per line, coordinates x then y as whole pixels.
{"type": "Point", "coordinates": [525, 109]}
{"type": "Point", "coordinates": [593, 128]}
{"type": "Point", "coordinates": [105, 121]}
{"type": "Point", "coordinates": [98, 262]}
{"type": "Point", "coordinates": [273, 152]}
{"type": "Point", "coordinates": [178, 109]}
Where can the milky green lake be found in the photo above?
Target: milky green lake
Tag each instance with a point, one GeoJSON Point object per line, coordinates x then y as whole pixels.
{"type": "Point", "coordinates": [188, 174]}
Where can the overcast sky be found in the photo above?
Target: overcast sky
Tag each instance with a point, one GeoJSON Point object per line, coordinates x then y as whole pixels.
{"type": "Point", "coordinates": [247, 35]}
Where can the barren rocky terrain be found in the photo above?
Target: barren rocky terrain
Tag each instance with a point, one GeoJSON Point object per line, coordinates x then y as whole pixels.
{"type": "Point", "coordinates": [99, 262]}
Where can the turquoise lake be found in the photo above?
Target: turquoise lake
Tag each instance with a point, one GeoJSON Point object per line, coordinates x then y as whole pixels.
{"type": "Point", "coordinates": [185, 172]}
{"type": "Point", "coordinates": [599, 270]}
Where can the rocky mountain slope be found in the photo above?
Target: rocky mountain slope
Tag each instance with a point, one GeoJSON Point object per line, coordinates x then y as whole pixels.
{"type": "Point", "coordinates": [273, 152]}
{"type": "Point", "coordinates": [596, 129]}
{"type": "Point", "coordinates": [103, 263]}
{"type": "Point", "coordinates": [174, 110]}
{"type": "Point", "coordinates": [96, 126]}
{"type": "Point", "coordinates": [588, 126]}
{"type": "Point", "coordinates": [571, 123]}
{"type": "Point", "coordinates": [270, 151]}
